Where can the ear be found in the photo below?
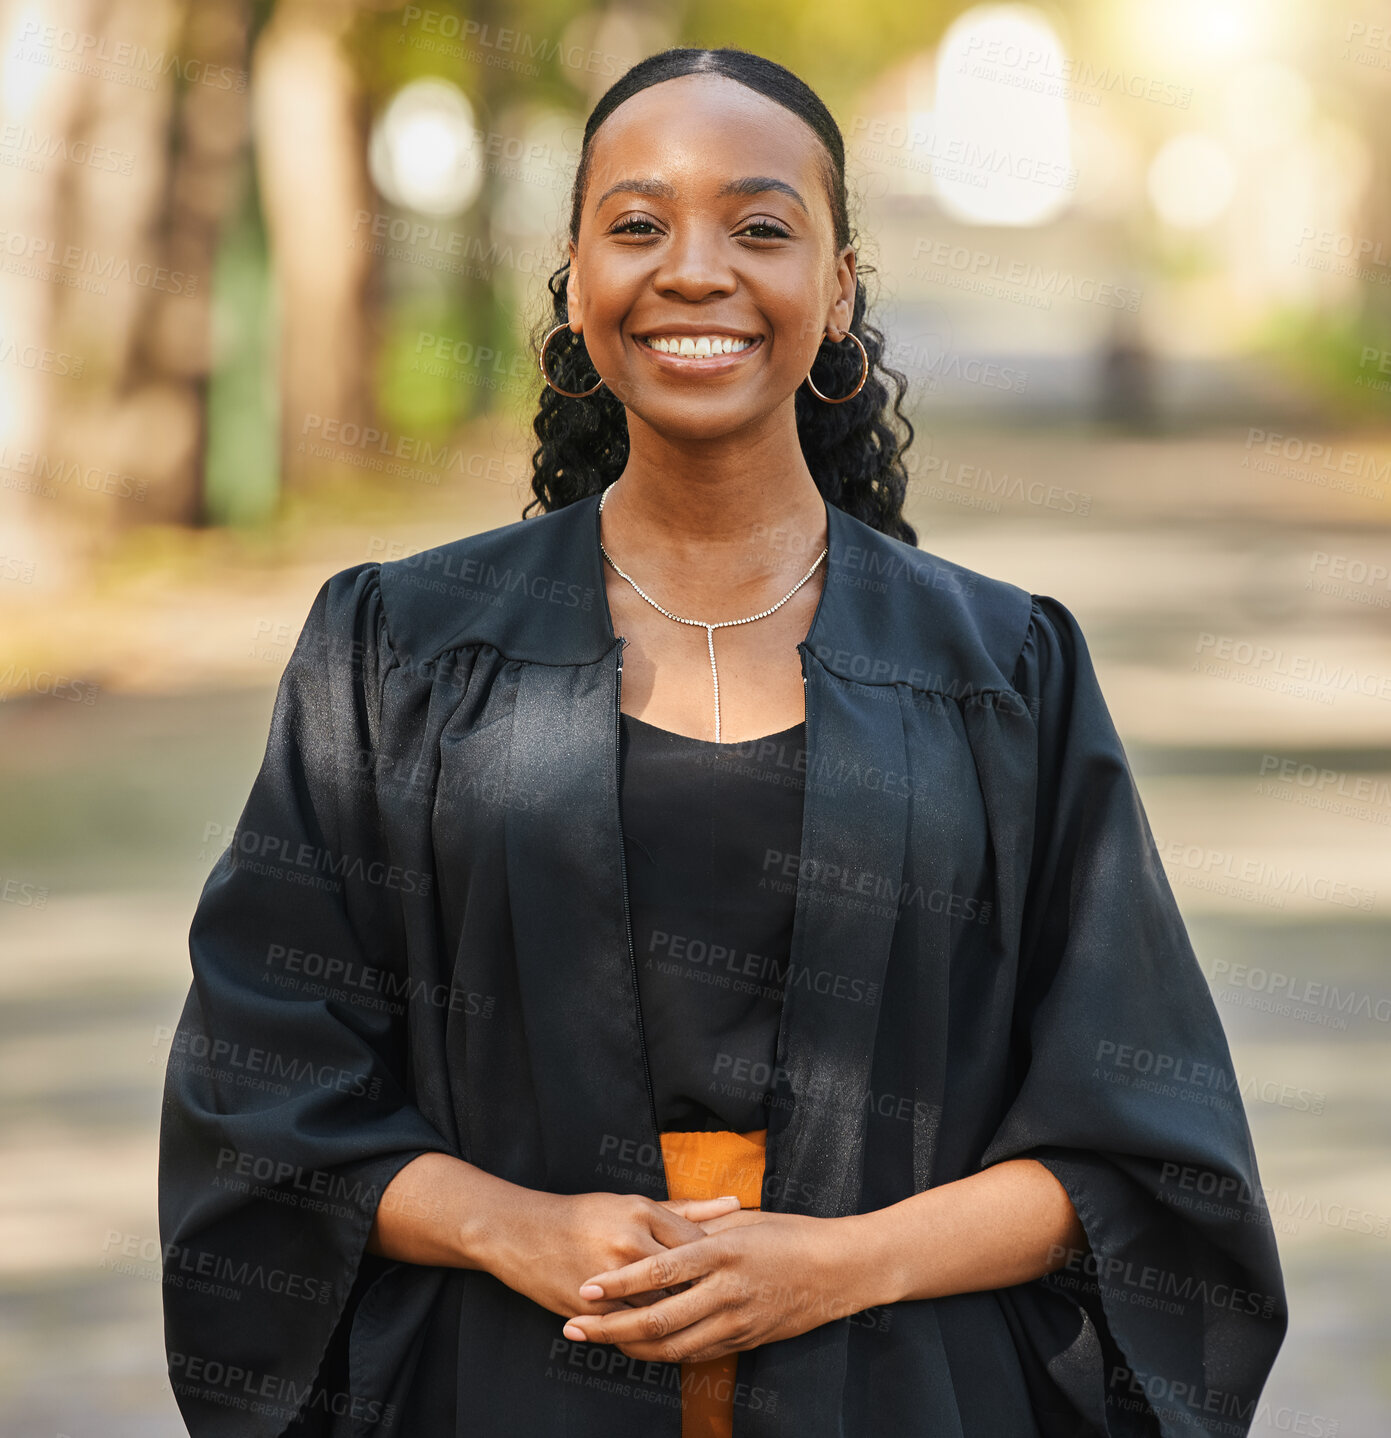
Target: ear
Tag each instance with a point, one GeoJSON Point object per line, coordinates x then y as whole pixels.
{"type": "Point", "coordinates": [843, 309]}
{"type": "Point", "coordinates": [573, 301]}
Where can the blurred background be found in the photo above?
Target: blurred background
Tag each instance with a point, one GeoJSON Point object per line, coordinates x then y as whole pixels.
{"type": "Point", "coordinates": [267, 273]}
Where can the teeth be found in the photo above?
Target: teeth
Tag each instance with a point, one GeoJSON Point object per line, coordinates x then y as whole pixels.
{"type": "Point", "coordinates": [697, 346]}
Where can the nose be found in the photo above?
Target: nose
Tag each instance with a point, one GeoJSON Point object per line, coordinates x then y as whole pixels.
{"type": "Point", "coordinates": [695, 263]}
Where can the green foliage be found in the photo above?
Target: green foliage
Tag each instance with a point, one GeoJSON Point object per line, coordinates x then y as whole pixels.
{"type": "Point", "coordinates": [242, 478]}
{"type": "Point", "coordinates": [1338, 352]}
{"type": "Point", "coordinates": [415, 394]}
{"type": "Point", "coordinates": [836, 48]}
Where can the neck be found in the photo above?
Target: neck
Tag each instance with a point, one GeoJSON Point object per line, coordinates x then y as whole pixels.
{"type": "Point", "coordinates": [737, 510]}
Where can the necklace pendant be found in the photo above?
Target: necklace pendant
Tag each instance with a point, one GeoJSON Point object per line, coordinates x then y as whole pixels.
{"type": "Point", "coordinates": [708, 626]}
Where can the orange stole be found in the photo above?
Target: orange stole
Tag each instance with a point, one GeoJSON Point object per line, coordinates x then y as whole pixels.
{"type": "Point", "coordinates": [705, 1165]}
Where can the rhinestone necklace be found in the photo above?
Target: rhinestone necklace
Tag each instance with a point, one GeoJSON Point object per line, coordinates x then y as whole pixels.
{"type": "Point", "coordinates": [708, 627]}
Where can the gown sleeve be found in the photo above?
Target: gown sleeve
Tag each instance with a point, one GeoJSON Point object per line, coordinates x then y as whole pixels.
{"type": "Point", "coordinates": [286, 1101]}
{"type": "Point", "coordinates": [1126, 1092]}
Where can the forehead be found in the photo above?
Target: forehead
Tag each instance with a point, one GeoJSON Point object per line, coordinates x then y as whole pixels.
{"type": "Point", "coordinates": [696, 132]}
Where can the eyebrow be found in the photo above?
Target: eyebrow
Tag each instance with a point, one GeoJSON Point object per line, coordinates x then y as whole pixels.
{"type": "Point", "coordinates": [748, 185]}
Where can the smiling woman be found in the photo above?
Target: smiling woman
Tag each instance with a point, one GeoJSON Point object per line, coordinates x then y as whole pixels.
{"type": "Point", "coordinates": [863, 1144]}
{"type": "Point", "coordinates": [746, 235]}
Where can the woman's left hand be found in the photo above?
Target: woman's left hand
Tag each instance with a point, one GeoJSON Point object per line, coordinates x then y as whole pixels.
{"type": "Point", "coordinates": [757, 1277]}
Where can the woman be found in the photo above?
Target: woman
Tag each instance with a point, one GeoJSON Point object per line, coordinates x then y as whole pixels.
{"type": "Point", "coordinates": [910, 1117]}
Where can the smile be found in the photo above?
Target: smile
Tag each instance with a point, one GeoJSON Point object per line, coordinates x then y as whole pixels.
{"type": "Point", "coordinates": [703, 353]}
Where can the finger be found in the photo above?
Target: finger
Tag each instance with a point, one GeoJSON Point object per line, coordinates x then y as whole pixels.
{"type": "Point", "coordinates": [659, 1270]}
{"type": "Point", "coordinates": [633, 1300]}
{"type": "Point", "coordinates": [640, 1300]}
{"type": "Point", "coordinates": [710, 1337]}
{"type": "Point", "coordinates": [699, 1209]}
{"type": "Point", "coordinates": [652, 1324]}
{"type": "Point", "coordinates": [736, 1218]}
{"type": "Point", "coordinates": [672, 1229]}
{"type": "Point", "coordinates": [611, 1305]}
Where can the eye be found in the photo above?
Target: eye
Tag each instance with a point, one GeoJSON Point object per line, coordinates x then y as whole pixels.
{"type": "Point", "coordinates": [627, 227]}
{"type": "Point", "coordinates": [644, 228]}
{"type": "Point", "coordinates": [775, 230]}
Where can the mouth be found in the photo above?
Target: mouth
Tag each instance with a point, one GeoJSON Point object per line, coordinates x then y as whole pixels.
{"type": "Point", "coordinates": [703, 354]}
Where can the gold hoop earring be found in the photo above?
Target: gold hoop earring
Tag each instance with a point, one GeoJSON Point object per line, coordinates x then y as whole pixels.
{"type": "Point", "coordinates": [864, 373]}
{"type": "Point", "coordinates": [541, 361]}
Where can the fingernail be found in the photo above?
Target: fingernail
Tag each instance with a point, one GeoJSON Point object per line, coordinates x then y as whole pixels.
{"type": "Point", "coordinates": [728, 1198]}
{"type": "Point", "coordinates": [570, 1331]}
{"type": "Point", "coordinates": [591, 1290]}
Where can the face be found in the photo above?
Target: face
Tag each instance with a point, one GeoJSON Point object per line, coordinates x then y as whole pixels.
{"type": "Point", "coordinates": [673, 247]}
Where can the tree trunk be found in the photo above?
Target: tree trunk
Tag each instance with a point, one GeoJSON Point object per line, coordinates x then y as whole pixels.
{"type": "Point", "coordinates": [310, 124]}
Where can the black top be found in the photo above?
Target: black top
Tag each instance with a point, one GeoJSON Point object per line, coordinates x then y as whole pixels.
{"type": "Point", "coordinates": [711, 834]}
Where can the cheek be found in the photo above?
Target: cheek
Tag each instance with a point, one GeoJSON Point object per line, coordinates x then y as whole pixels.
{"type": "Point", "coordinates": [797, 326]}
{"type": "Point", "coordinates": [609, 291]}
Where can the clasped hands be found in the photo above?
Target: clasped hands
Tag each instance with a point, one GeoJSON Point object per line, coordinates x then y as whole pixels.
{"type": "Point", "coordinates": [752, 1278]}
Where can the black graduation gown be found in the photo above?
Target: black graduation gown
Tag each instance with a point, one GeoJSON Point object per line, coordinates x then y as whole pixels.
{"type": "Point", "coordinates": [417, 940]}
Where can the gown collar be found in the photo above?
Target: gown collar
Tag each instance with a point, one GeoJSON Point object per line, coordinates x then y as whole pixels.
{"type": "Point", "coordinates": [533, 590]}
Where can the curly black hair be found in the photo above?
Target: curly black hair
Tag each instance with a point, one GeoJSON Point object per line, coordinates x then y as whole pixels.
{"type": "Point", "coordinates": [853, 451]}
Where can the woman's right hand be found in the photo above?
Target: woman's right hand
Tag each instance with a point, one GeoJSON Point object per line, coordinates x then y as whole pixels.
{"type": "Point", "coordinates": [547, 1244]}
